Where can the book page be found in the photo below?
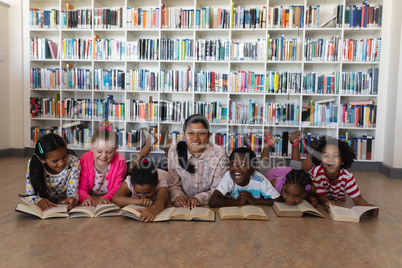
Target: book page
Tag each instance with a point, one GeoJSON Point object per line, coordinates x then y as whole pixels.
{"type": "Point", "coordinates": [284, 207]}
{"type": "Point", "coordinates": [27, 209]}
{"type": "Point", "coordinates": [343, 212]}
{"type": "Point", "coordinates": [59, 211]}
{"type": "Point", "coordinates": [83, 209]}
{"type": "Point", "coordinates": [165, 214]}
{"type": "Point", "coordinates": [103, 208]}
{"type": "Point", "coordinates": [231, 212]}
{"type": "Point", "coordinates": [181, 214]}
{"type": "Point", "coordinates": [202, 213]}
{"type": "Point", "coordinates": [133, 209]}
{"type": "Point", "coordinates": [35, 207]}
{"type": "Point", "coordinates": [250, 210]}
{"type": "Point", "coordinates": [359, 210]}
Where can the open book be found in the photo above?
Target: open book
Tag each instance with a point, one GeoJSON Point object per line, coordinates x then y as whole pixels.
{"type": "Point", "coordinates": [101, 210]}
{"type": "Point", "coordinates": [240, 213]}
{"type": "Point", "coordinates": [348, 214]}
{"type": "Point", "coordinates": [283, 210]}
{"type": "Point", "coordinates": [55, 212]}
{"type": "Point", "coordinates": [185, 214]}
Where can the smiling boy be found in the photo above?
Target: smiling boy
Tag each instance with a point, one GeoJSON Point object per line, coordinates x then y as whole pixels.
{"type": "Point", "coordinates": [243, 183]}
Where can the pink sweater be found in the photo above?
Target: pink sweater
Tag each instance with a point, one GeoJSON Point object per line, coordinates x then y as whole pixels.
{"type": "Point", "coordinates": [115, 176]}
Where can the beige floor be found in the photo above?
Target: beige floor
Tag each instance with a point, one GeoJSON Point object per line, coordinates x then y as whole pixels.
{"type": "Point", "coordinates": [281, 242]}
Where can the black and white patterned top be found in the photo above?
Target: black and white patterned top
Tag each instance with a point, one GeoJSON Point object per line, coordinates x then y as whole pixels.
{"type": "Point", "coordinates": [60, 186]}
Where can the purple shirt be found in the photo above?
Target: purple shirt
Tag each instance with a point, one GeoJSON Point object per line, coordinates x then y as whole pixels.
{"type": "Point", "coordinates": [278, 173]}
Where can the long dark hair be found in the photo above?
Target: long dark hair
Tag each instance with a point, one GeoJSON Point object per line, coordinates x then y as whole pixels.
{"type": "Point", "coordinates": [47, 143]}
{"type": "Point", "coordinates": [182, 146]}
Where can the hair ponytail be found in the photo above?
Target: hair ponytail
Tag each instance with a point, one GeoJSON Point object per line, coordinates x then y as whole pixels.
{"type": "Point", "coordinates": [47, 143]}
{"type": "Point", "coordinates": [182, 156]}
{"type": "Point", "coordinates": [105, 133]}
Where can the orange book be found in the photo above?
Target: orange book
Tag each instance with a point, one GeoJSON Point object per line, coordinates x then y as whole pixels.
{"type": "Point", "coordinates": [68, 7]}
{"type": "Point", "coordinates": [287, 19]}
{"type": "Point", "coordinates": [95, 37]}
{"type": "Point", "coordinates": [284, 18]}
{"type": "Point", "coordinates": [62, 109]}
{"type": "Point", "coordinates": [350, 52]}
{"type": "Point", "coordinates": [368, 55]}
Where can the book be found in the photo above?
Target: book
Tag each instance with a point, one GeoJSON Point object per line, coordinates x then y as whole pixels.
{"type": "Point", "coordinates": [101, 210]}
{"type": "Point", "coordinates": [197, 214]}
{"type": "Point", "coordinates": [168, 214]}
{"type": "Point", "coordinates": [132, 212]}
{"type": "Point", "coordinates": [55, 212]}
{"type": "Point", "coordinates": [241, 213]}
{"type": "Point", "coordinates": [284, 210]}
{"type": "Point", "coordinates": [349, 214]}
{"type": "Point", "coordinates": [72, 124]}
{"type": "Point", "coordinates": [53, 49]}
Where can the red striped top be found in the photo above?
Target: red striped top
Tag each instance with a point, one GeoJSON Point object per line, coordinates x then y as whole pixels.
{"type": "Point", "coordinates": [346, 184]}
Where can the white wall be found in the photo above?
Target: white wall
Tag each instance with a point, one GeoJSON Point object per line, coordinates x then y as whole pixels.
{"type": "Point", "coordinates": [397, 158]}
{"type": "Point", "coordinates": [4, 80]}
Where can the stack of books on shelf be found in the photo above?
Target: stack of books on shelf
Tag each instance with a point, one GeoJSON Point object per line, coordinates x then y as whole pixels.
{"type": "Point", "coordinates": [37, 132]}
{"type": "Point", "coordinates": [283, 82]}
{"type": "Point", "coordinates": [363, 146]}
{"type": "Point", "coordinates": [142, 111]}
{"type": "Point", "coordinates": [285, 17]}
{"type": "Point", "coordinates": [109, 79]}
{"type": "Point", "coordinates": [363, 50]}
{"type": "Point", "coordinates": [76, 49]}
{"type": "Point", "coordinates": [280, 49]}
{"type": "Point", "coordinates": [246, 81]}
{"type": "Point", "coordinates": [240, 113]}
{"type": "Point", "coordinates": [215, 111]}
{"type": "Point", "coordinates": [177, 49]}
{"type": "Point", "coordinates": [76, 78]}
{"type": "Point", "coordinates": [142, 49]}
{"type": "Point", "coordinates": [249, 18]}
{"type": "Point", "coordinates": [363, 16]}
{"type": "Point", "coordinates": [45, 78]}
{"type": "Point", "coordinates": [314, 83]}
{"type": "Point", "coordinates": [248, 51]}
{"type": "Point", "coordinates": [77, 134]}
{"type": "Point", "coordinates": [284, 114]}
{"type": "Point", "coordinates": [46, 107]}
{"type": "Point", "coordinates": [210, 81]}
{"type": "Point", "coordinates": [108, 49]}
{"type": "Point", "coordinates": [361, 114]}
{"type": "Point", "coordinates": [42, 49]}
{"type": "Point", "coordinates": [364, 83]}
{"type": "Point", "coordinates": [44, 19]}
{"type": "Point", "coordinates": [175, 111]}
{"type": "Point", "coordinates": [143, 80]}
{"type": "Point", "coordinates": [320, 113]}
{"type": "Point", "coordinates": [212, 50]}
{"type": "Point", "coordinates": [177, 18]}
{"type": "Point", "coordinates": [321, 49]}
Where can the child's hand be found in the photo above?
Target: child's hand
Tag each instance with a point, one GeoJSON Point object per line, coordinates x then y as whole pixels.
{"type": "Point", "coordinates": [242, 199]}
{"type": "Point", "coordinates": [269, 140]}
{"type": "Point", "coordinates": [45, 204]}
{"type": "Point", "coordinates": [147, 215]}
{"type": "Point", "coordinates": [70, 202]}
{"type": "Point", "coordinates": [250, 198]}
{"type": "Point", "coordinates": [146, 202]}
{"type": "Point", "coordinates": [180, 201]}
{"type": "Point", "coordinates": [89, 202]}
{"type": "Point", "coordinates": [193, 202]}
{"type": "Point", "coordinates": [103, 200]}
{"type": "Point", "coordinates": [313, 201]}
{"type": "Point", "coordinates": [374, 212]}
{"type": "Point", "coordinates": [328, 205]}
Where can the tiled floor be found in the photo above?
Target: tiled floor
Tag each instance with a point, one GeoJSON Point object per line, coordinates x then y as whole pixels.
{"type": "Point", "coordinates": [281, 242]}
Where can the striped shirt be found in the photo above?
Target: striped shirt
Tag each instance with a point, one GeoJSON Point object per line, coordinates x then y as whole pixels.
{"type": "Point", "coordinates": [346, 184]}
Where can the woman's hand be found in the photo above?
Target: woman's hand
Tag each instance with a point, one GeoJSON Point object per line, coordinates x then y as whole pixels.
{"type": "Point", "coordinates": [45, 204]}
{"type": "Point", "coordinates": [180, 201]}
{"type": "Point", "coordinates": [70, 202]}
{"type": "Point", "coordinates": [89, 202]}
{"type": "Point", "coordinates": [193, 202]}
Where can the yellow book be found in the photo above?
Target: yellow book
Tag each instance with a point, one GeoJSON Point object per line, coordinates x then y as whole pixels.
{"type": "Point", "coordinates": [241, 213]}
{"type": "Point", "coordinates": [95, 37]}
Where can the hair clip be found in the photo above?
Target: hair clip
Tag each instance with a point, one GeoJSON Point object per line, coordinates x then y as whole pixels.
{"type": "Point", "coordinates": [109, 128]}
{"type": "Point", "coordinates": [283, 180]}
{"type": "Point", "coordinates": [40, 148]}
{"type": "Point", "coordinates": [34, 154]}
{"type": "Point", "coordinates": [144, 161]}
{"type": "Point", "coordinates": [307, 188]}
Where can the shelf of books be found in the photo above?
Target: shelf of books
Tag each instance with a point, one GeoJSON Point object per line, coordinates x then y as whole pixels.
{"type": "Point", "coordinates": [248, 66]}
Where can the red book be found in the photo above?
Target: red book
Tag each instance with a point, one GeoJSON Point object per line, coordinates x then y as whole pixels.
{"type": "Point", "coordinates": [212, 81]}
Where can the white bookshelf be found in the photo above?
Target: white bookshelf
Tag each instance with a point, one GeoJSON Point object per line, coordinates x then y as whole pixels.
{"type": "Point", "coordinates": [327, 9]}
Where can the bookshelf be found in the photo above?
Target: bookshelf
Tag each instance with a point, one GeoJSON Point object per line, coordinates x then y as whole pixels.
{"type": "Point", "coordinates": [171, 62]}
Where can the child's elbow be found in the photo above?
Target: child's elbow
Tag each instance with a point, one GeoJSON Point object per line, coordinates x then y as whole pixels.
{"type": "Point", "coordinates": [213, 203]}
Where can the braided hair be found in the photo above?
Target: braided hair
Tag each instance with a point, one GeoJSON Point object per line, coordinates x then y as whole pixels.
{"type": "Point", "coordinates": [299, 177]}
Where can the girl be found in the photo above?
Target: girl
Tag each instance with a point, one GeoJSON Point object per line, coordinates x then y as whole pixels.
{"type": "Point", "coordinates": [293, 184]}
{"type": "Point", "coordinates": [196, 166]}
{"type": "Point", "coordinates": [147, 186]}
{"type": "Point", "coordinates": [102, 169]}
{"type": "Point", "coordinates": [52, 174]}
{"type": "Point", "coordinates": [243, 183]}
{"type": "Point", "coordinates": [331, 176]}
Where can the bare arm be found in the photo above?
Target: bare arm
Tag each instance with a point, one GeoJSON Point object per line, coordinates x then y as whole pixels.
{"type": "Point", "coordinates": [121, 197]}
{"type": "Point", "coordinates": [360, 201]}
{"type": "Point", "coordinates": [143, 153]}
{"type": "Point", "coordinates": [218, 200]}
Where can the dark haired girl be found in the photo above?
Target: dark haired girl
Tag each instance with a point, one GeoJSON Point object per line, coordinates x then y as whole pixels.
{"type": "Point", "coordinates": [196, 166]}
{"type": "Point", "coordinates": [53, 174]}
{"type": "Point", "coordinates": [145, 186]}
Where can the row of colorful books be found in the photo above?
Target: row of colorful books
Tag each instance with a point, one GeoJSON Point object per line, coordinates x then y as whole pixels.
{"type": "Point", "coordinates": [365, 83]}
{"type": "Point", "coordinates": [358, 114]}
{"type": "Point", "coordinates": [140, 18]}
{"type": "Point", "coordinates": [280, 49]}
{"type": "Point", "coordinates": [321, 49]}
{"type": "Point", "coordinates": [209, 81]}
{"type": "Point", "coordinates": [176, 81]}
{"type": "Point", "coordinates": [314, 83]}
{"type": "Point", "coordinates": [175, 111]}
{"type": "Point", "coordinates": [43, 19]}
{"type": "Point", "coordinates": [363, 16]}
{"type": "Point", "coordinates": [177, 49]}
{"type": "Point", "coordinates": [80, 18]}
{"type": "Point", "coordinates": [284, 17]}
{"type": "Point", "coordinates": [109, 79]}
{"type": "Point", "coordinates": [44, 78]}
{"type": "Point", "coordinates": [284, 114]}
{"type": "Point", "coordinates": [320, 113]}
{"type": "Point", "coordinates": [212, 50]}
{"type": "Point", "coordinates": [109, 49]}
{"type": "Point", "coordinates": [42, 48]}
{"type": "Point", "coordinates": [248, 51]}
{"type": "Point", "coordinates": [143, 49]}
{"type": "Point", "coordinates": [215, 111]}
{"type": "Point", "coordinates": [367, 49]}
{"type": "Point", "coordinates": [177, 18]}
{"type": "Point", "coordinates": [76, 49]}
{"type": "Point", "coordinates": [143, 80]}
{"type": "Point", "coordinates": [248, 18]}
{"type": "Point", "coordinates": [142, 111]}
